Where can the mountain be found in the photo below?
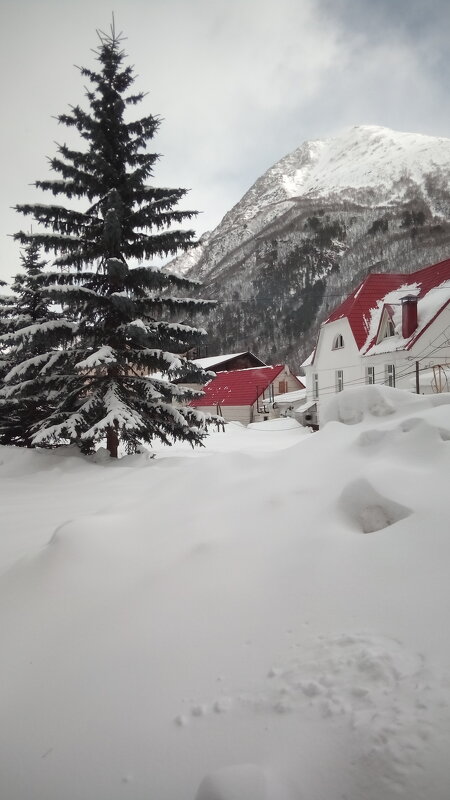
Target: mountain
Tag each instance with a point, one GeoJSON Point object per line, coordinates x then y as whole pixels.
{"type": "Point", "coordinates": [312, 227]}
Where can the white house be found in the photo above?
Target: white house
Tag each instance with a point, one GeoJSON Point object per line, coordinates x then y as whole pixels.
{"type": "Point", "coordinates": [393, 329]}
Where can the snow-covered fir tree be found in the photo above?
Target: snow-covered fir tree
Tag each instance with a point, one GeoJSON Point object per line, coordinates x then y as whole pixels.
{"type": "Point", "coordinates": [5, 304]}
{"type": "Point", "coordinates": [28, 329]}
{"type": "Point", "coordinates": [123, 322]}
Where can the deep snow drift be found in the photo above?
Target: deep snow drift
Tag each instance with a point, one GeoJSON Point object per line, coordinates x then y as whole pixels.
{"type": "Point", "coordinates": [263, 619]}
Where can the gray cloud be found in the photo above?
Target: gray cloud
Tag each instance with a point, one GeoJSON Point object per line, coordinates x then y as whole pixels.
{"type": "Point", "coordinates": [239, 83]}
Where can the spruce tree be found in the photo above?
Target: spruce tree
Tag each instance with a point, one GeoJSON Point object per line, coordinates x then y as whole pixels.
{"type": "Point", "coordinates": [27, 324]}
{"type": "Point", "coordinates": [5, 303]}
{"type": "Point", "coordinates": [123, 322]}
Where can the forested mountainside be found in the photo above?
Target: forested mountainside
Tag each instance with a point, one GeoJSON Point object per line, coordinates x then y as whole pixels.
{"type": "Point", "coordinates": [312, 227]}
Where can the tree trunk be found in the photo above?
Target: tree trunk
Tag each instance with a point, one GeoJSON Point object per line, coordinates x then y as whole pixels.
{"type": "Point", "coordinates": [112, 441]}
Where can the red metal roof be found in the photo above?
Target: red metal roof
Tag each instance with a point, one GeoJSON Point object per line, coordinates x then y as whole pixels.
{"type": "Point", "coordinates": [238, 387]}
{"type": "Point", "coordinates": [359, 304]}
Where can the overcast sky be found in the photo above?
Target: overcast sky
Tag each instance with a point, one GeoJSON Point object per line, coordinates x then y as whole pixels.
{"type": "Point", "coordinates": [238, 83]}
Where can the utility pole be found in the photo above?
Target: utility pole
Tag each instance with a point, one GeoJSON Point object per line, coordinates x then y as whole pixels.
{"type": "Point", "coordinates": [417, 378]}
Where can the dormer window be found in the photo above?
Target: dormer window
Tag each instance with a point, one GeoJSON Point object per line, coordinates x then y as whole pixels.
{"type": "Point", "coordinates": [386, 328]}
{"type": "Point", "coordinates": [338, 342]}
{"type": "Point", "coordinates": [390, 329]}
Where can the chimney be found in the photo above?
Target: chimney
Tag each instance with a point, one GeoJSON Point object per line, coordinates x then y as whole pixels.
{"type": "Point", "coordinates": [409, 315]}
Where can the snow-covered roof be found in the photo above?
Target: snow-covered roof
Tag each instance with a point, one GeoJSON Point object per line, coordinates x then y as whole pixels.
{"type": "Point", "coordinates": [308, 361]}
{"type": "Point", "coordinates": [238, 387]}
{"type": "Point", "coordinates": [363, 307]}
{"type": "Point", "coordinates": [290, 397]}
{"type": "Point", "coordinates": [305, 407]}
{"type": "Point", "coordinates": [212, 361]}
{"type": "Point", "coordinates": [206, 363]}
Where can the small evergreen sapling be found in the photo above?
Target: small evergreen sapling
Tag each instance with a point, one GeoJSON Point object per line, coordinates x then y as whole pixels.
{"type": "Point", "coordinates": [122, 323]}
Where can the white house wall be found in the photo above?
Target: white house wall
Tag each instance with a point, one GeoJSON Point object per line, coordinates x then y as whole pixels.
{"type": "Point", "coordinates": [328, 360]}
{"type": "Point", "coordinates": [231, 413]}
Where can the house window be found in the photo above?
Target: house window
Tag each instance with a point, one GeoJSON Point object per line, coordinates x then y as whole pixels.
{"type": "Point", "coordinates": [338, 342]}
{"type": "Point", "coordinates": [315, 383]}
{"type": "Point", "coordinates": [339, 380]}
{"type": "Point", "coordinates": [370, 374]}
{"type": "Point", "coordinates": [282, 387]}
{"type": "Point", "coordinates": [389, 375]}
{"type": "Point", "coordinates": [387, 330]}
{"type": "Point", "coordinates": [390, 329]}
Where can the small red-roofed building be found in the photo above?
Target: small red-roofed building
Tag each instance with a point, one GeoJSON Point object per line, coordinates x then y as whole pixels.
{"type": "Point", "coordinates": [247, 395]}
{"type": "Point", "coordinates": [393, 329]}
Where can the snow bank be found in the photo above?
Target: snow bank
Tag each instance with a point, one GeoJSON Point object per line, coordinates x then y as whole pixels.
{"type": "Point", "coordinates": [364, 402]}
{"type": "Point", "coordinates": [248, 781]}
{"type": "Point", "coordinates": [281, 424]}
{"type": "Point", "coordinates": [254, 621]}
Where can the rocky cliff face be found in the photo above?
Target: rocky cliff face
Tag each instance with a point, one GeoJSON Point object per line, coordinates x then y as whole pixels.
{"type": "Point", "coordinates": [312, 227]}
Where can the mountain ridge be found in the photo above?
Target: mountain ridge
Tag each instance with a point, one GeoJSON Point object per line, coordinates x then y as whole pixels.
{"type": "Point", "coordinates": [314, 223]}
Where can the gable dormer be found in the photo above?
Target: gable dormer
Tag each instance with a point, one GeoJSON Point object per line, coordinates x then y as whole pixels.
{"type": "Point", "coordinates": [386, 328]}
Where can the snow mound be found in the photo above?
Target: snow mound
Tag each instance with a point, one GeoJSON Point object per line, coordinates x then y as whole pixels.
{"type": "Point", "coordinates": [361, 402]}
{"type": "Point", "coordinates": [281, 424]}
{"type": "Point", "coordinates": [16, 461]}
{"type": "Point", "coordinates": [353, 405]}
{"type": "Point", "coordinates": [368, 510]}
{"type": "Point", "coordinates": [408, 441]}
{"type": "Point", "coordinates": [243, 782]}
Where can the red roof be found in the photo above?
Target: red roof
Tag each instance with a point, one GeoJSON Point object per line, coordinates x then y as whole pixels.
{"type": "Point", "coordinates": [238, 387]}
{"type": "Point", "coordinates": [359, 304]}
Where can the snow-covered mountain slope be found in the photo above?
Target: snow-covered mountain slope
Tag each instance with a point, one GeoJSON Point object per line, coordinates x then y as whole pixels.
{"type": "Point", "coordinates": [189, 259]}
{"type": "Point", "coordinates": [264, 618]}
{"type": "Point", "coordinates": [366, 159]}
{"type": "Point", "coordinates": [369, 198]}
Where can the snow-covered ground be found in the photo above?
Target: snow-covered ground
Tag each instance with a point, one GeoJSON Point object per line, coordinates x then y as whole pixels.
{"type": "Point", "coordinates": [263, 619]}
